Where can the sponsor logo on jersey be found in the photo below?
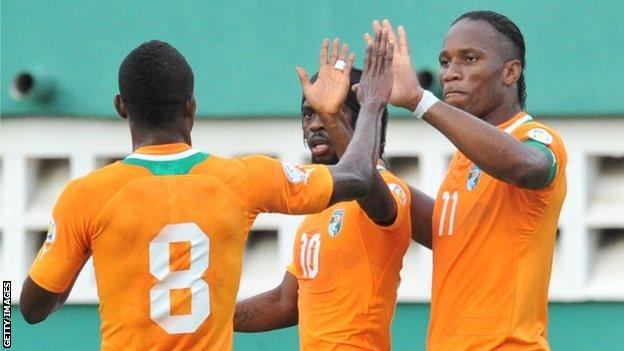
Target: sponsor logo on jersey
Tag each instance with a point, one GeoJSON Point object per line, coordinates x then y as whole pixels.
{"type": "Point", "coordinates": [398, 191]}
{"type": "Point", "coordinates": [335, 223]}
{"type": "Point", "coordinates": [296, 175]}
{"type": "Point", "coordinates": [51, 233]}
{"type": "Point", "coordinates": [540, 135]}
{"type": "Point", "coordinates": [473, 177]}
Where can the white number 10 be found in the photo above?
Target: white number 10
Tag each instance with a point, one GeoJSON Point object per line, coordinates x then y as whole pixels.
{"type": "Point", "coordinates": [309, 255]}
{"type": "Point", "coordinates": [446, 196]}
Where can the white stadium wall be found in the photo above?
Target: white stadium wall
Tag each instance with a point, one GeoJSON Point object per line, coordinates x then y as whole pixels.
{"type": "Point", "coordinates": [40, 155]}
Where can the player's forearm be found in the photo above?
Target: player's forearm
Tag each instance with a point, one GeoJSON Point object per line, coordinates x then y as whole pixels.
{"type": "Point", "coordinates": [264, 312]}
{"type": "Point", "coordinates": [495, 152]}
{"type": "Point", "coordinates": [353, 173]}
{"type": "Point", "coordinates": [339, 132]}
{"type": "Point", "coordinates": [421, 212]}
{"type": "Point", "coordinates": [378, 204]}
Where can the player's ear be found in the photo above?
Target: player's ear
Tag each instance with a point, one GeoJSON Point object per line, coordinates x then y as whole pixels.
{"type": "Point", "coordinates": [120, 107]}
{"type": "Point", "coordinates": [189, 110]}
{"type": "Point", "coordinates": [511, 72]}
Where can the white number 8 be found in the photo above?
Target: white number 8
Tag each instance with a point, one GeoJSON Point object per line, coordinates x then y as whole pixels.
{"type": "Point", "coordinates": [160, 298]}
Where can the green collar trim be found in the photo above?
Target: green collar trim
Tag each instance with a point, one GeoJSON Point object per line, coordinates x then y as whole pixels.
{"type": "Point", "coordinates": [168, 167]}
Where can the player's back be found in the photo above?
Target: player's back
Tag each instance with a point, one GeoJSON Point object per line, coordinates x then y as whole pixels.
{"type": "Point", "coordinates": [167, 229]}
{"type": "Point", "coordinates": [151, 257]}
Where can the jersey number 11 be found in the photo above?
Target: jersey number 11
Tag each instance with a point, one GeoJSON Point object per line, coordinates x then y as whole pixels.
{"type": "Point", "coordinates": [446, 196]}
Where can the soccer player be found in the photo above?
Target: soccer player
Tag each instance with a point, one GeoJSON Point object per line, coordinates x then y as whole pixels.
{"type": "Point", "coordinates": [496, 213]}
{"type": "Point", "coordinates": [341, 286]}
{"type": "Point", "coordinates": [167, 225]}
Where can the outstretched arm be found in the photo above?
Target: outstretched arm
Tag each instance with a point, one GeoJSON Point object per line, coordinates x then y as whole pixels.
{"type": "Point", "coordinates": [378, 204]}
{"type": "Point", "coordinates": [495, 152]}
{"type": "Point", "coordinates": [273, 309]}
{"type": "Point", "coordinates": [353, 174]}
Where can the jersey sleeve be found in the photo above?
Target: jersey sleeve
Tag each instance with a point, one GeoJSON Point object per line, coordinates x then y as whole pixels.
{"type": "Point", "coordinates": [273, 186]}
{"type": "Point", "coordinates": [402, 198]}
{"type": "Point", "coordinates": [544, 138]}
{"type": "Point", "coordinates": [67, 246]}
{"type": "Point", "coordinates": [292, 269]}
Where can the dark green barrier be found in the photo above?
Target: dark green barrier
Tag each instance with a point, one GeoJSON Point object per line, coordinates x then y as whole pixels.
{"type": "Point", "coordinates": [573, 327]}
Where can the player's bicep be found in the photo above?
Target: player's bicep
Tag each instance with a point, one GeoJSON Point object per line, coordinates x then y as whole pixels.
{"type": "Point", "coordinates": [549, 170]}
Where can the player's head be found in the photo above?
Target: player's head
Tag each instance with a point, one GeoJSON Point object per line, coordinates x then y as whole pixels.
{"type": "Point", "coordinates": [156, 87]}
{"type": "Point", "coordinates": [316, 138]}
{"type": "Point", "coordinates": [482, 63]}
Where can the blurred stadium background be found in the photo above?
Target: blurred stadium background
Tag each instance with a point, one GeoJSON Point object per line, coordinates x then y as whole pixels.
{"type": "Point", "coordinates": [59, 75]}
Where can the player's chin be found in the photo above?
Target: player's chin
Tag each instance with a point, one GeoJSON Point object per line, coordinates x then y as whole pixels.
{"type": "Point", "coordinates": [457, 100]}
{"type": "Point", "coordinates": [329, 158]}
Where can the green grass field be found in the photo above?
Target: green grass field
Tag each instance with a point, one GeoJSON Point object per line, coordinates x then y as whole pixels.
{"type": "Point", "coordinates": [573, 327]}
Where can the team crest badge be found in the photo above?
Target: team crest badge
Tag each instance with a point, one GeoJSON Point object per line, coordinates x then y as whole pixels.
{"type": "Point", "coordinates": [296, 175]}
{"type": "Point", "coordinates": [51, 232]}
{"type": "Point", "coordinates": [540, 135]}
{"type": "Point", "coordinates": [473, 177]}
{"type": "Point", "coordinates": [335, 223]}
{"type": "Point", "coordinates": [398, 191]}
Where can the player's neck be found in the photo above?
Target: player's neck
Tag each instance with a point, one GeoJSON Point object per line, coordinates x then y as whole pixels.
{"type": "Point", "coordinates": [502, 113]}
{"type": "Point", "coordinates": [142, 138]}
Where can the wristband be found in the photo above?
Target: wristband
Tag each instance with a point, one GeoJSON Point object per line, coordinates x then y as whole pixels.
{"type": "Point", "coordinates": [427, 100]}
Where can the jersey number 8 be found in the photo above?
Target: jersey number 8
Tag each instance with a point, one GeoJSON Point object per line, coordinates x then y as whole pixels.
{"type": "Point", "coordinates": [160, 297]}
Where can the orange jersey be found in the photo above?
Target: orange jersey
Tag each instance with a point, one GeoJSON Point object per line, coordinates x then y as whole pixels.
{"type": "Point", "coordinates": [167, 228]}
{"type": "Point", "coordinates": [348, 269]}
{"type": "Point", "coordinates": [492, 253]}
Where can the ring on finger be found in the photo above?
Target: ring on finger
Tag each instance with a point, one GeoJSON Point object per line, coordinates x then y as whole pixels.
{"type": "Point", "coordinates": [340, 65]}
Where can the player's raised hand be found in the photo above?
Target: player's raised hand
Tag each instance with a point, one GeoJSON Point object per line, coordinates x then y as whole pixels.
{"type": "Point", "coordinates": [377, 74]}
{"type": "Point", "coordinates": [328, 93]}
{"type": "Point", "coordinates": [406, 91]}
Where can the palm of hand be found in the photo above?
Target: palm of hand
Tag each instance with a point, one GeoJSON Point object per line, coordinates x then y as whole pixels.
{"type": "Point", "coordinates": [403, 92]}
{"type": "Point", "coordinates": [327, 94]}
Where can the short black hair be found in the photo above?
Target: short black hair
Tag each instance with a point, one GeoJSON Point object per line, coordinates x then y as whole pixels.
{"type": "Point", "coordinates": [155, 81]}
{"type": "Point", "coordinates": [509, 30]}
{"type": "Point", "coordinates": [354, 105]}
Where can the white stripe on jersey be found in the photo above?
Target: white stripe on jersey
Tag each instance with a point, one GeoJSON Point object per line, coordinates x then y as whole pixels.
{"type": "Point", "coordinates": [517, 123]}
{"type": "Point", "coordinates": [170, 157]}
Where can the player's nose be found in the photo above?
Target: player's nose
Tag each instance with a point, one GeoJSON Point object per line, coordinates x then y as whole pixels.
{"type": "Point", "coordinates": [316, 124]}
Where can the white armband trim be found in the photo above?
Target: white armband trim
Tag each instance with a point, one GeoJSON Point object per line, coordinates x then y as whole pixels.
{"type": "Point", "coordinates": [427, 100]}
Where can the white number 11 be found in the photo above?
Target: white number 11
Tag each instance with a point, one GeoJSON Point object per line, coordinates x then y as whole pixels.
{"type": "Point", "coordinates": [446, 196]}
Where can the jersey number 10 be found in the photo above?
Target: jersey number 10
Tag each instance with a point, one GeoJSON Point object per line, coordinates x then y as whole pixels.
{"type": "Point", "coordinates": [160, 297]}
{"type": "Point", "coordinates": [309, 256]}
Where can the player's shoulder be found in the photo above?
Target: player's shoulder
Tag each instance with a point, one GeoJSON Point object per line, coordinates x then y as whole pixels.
{"type": "Point", "coordinates": [101, 176]}
{"type": "Point", "coordinates": [538, 131]}
{"type": "Point", "coordinates": [390, 177]}
{"type": "Point", "coordinates": [237, 165]}
{"type": "Point", "coordinates": [397, 186]}
{"type": "Point", "coordinates": [99, 185]}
